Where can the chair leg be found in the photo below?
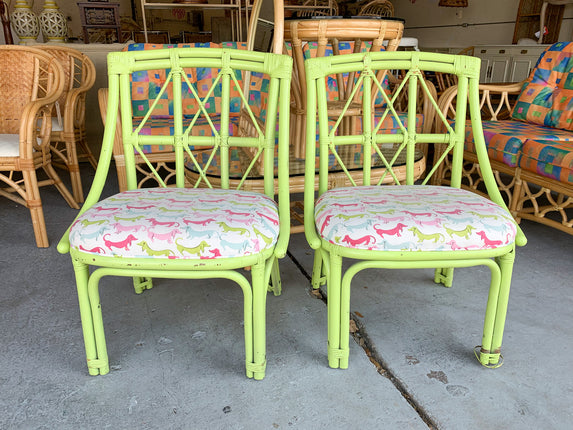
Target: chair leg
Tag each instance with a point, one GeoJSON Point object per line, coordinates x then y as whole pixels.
{"type": "Point", "coordinates": [49, 169]}
{"type": "Point", "coordinates": [345, 321]}
{"type": "Point", "coordinates": [140, 284]}
{"type": "Point", "coordinates": [334, 312]}
{"type": "Point", "coordinates": [258, 366]}
{"type": "Point", "coordinates": [34, 204]}
{"type": "Point", "coordinates": [101, 363]}
{"type": "Point", "coordinates": [444, 275]}
{"type": "Point", "coordinates": [318, 274]}
{"type": "Point", "coordinates": [82, 275]}
{"type": "Point", "coordinates": [496, 312]}
{"type": "Point", "coordinates": [86, 151]}
{"type": "Point", "coordinates": [276, 284]}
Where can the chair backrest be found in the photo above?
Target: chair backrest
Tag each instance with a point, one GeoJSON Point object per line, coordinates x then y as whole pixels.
{"type": "Point", "coordinates": [277, 25]}
{"type": "Point", "coordinates": [401, 149]}
{"type": "Point", "coordinates": [382, 8]}
{"type": "Point", "coordinates": [226, 65]}
{"type": "Point", "coordinates": [331, 33]}
{"type": "Point", "coordinates": [28, 75]}
{"type": "Point", "coordinates": [445, 80]}
{"type": "Point", "coordinates": [79, 77]}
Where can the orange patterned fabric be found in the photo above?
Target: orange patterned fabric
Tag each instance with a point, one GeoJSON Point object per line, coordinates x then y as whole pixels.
{"type": "Point", "coordinates": [547, 96]}
{"type": "Point", "coordinates": [548, 158]}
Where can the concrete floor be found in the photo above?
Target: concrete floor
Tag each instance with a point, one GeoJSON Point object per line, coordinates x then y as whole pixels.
{"type": "Point", "coordinates": [176, 351]}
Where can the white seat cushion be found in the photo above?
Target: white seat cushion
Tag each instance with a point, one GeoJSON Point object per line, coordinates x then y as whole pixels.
{"type": "Point", "coordinates": [178, 223]}
{"type": "Point", "coordinates": [9, 145]}
{"type": "Point", "coordinates": [57, 124]}
{"type": "Point", "coordinates": [413, 218]}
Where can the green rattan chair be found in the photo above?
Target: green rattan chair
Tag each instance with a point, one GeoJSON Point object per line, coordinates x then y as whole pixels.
{"type": "Point", "coordinates": [414, 225]}
{"type": "Point", "coordinates": [196, 232]}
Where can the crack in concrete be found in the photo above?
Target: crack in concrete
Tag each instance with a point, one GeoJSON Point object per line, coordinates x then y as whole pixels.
{"type": "Point", "coordinates": [361, 337]}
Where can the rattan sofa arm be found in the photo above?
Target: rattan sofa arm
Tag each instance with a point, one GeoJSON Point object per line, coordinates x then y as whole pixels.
{"type": "Point", "coordinates": [492, 107]}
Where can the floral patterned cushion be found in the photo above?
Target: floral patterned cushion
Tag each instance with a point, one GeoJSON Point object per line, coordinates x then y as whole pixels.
{"type": "Point", "coordinates": [413, 218]}
{"type": "Point", "coordinates": [147, 84]}
{"type": "Point", "coordinates": [178, 224]}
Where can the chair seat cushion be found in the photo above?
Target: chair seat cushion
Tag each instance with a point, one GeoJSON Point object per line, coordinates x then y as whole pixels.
{"type": "Point", "coordinates": [57, 124]}
{"type": "Point", "coordinates": [9, 145]}
{"type": "Point", "coordinates": [504, 139]}
{"type": "Point", "coordinates": [548, 158]}
{"type": "Point", "coordinates": [412, 218]}
{"type": "Point", "coordinates": [178, 224]}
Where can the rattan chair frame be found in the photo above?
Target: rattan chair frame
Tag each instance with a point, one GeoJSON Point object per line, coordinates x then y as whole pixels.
{"type": "Point", "coordinates": [382, 8]}
{"type": "Point", "coordinates": [31, 82]}
{"type": "Point", "coordinates": [263, 263]}
{"type": "Point", "coordinates": [333, 31]}
{"type": "Point", "coordinates": [329, 256]}
{"type": "Point", "coordinates": [79, 78]}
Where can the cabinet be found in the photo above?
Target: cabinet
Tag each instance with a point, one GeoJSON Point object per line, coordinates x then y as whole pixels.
{"type": "Point", "coordinates": [99, 18]}
{"type": "Point", "coordinates": [507, 63]}
{"type": "Point", "coordinates": [528, 18]}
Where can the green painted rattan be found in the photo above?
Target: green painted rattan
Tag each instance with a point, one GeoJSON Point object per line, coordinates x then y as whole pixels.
{"type": "Point", "coordinates": [263, 265]}
{"type": "Point", "coordinates": [328, 256]}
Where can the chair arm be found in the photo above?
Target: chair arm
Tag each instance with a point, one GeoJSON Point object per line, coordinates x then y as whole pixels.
{"type": "Point", "coordinates": [75, 100]}
{"type": "Point", "coordinates": [495, 101]}
{"type": "Point", "coordinates": [74, 112]}
{"type": "Point", "coordinates": [36, 122]}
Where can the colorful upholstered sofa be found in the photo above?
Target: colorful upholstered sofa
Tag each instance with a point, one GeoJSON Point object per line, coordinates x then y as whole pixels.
{"type": "Point", "coordinates": [529, 136]}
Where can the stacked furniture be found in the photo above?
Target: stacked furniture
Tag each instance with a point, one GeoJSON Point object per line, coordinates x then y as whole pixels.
{"type": "Point", "coordinates": [529, 137]}
{"type": "Point", "coordinates": [31, 81]}
{"type": "Point", "coordinates": [69, 120]}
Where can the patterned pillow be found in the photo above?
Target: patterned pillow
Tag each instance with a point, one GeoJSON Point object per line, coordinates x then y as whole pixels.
{"type": "Point", "coordinates": [146, 85]}
{"type": "Point", "coordinates": [547, 96]}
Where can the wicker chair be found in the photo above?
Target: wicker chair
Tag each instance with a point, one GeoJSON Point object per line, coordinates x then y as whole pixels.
{"type": "Point", "coordinates": [31, 81]}
{"type": "Point", "coordinates": [317, 8]}
{"type": "Point", "coordinates": [383, 8]}
{"type": "Point", "coordinates": [68, 127]}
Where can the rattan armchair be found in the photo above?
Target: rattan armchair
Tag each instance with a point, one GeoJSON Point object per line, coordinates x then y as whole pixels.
{"type": "Point", "coordinates": [31, 81]}
{"type": "Point", "coordinates": [69, 122]}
